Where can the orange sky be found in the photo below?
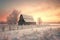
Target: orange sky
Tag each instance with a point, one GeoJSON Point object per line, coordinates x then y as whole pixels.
{"type": "Point", "coordinates": [3, 16]}
{"type": "Point", "coordinates": [47, 13]}
{"type": "Point", "coordinates": [47, 10]}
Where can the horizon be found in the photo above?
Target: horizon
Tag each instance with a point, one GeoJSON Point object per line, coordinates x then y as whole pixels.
{"type": "Point", "coordinates": [47, 10]}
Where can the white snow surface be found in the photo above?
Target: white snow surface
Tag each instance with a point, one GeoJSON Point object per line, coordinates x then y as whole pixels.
{"type": "Point", "coordinates": [32, 32]}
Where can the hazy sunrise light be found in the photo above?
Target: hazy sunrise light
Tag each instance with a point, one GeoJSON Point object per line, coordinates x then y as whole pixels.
{"type": "Point", "coordinates": [47, 10]}
{"type": "Point", "coordinates": [29, 19]}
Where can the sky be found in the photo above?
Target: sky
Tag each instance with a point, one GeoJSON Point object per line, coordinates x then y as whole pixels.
{"type": "Point", "coordinates": [47, 10]}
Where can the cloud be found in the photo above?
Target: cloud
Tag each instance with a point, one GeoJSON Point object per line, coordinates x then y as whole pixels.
{"type": "Point", "coordinates": [12, 3]}
{"type": "Point", "coordinates": [58, 15]}
{"type": "Point", "coordinates": [49, 8]}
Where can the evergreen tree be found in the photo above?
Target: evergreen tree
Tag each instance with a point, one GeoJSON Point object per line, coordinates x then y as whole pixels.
{"type": "Point", "coordinates": [21, 20]}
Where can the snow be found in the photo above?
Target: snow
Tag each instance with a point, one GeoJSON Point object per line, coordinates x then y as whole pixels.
{"type": "Point", "coordinates": [32, 32]}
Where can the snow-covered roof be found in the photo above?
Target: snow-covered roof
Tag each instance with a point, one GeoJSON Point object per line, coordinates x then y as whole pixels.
{"type": "Point", "coordinates": [28, 18]}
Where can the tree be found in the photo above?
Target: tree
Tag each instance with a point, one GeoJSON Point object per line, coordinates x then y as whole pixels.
{"type": "Point", "coordinates": [39, 21]}
{"type": "Point", "coordinates": [21, 20]}
{"type": "Point", "coordinates": [13, 17]}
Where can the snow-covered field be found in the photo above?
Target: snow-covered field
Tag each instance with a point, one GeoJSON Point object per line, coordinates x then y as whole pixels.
{"type": "Point", "coordinates": [32, 32]}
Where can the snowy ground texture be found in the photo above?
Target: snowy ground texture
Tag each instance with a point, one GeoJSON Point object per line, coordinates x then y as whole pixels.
{"type": "Point", "coordinates": [32, 32]}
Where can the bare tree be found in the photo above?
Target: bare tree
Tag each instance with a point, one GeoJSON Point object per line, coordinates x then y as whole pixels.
{"type": "Point", "coordinates": [39, 21]}
{"type": "Point", "coordinates": [13, 17]}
